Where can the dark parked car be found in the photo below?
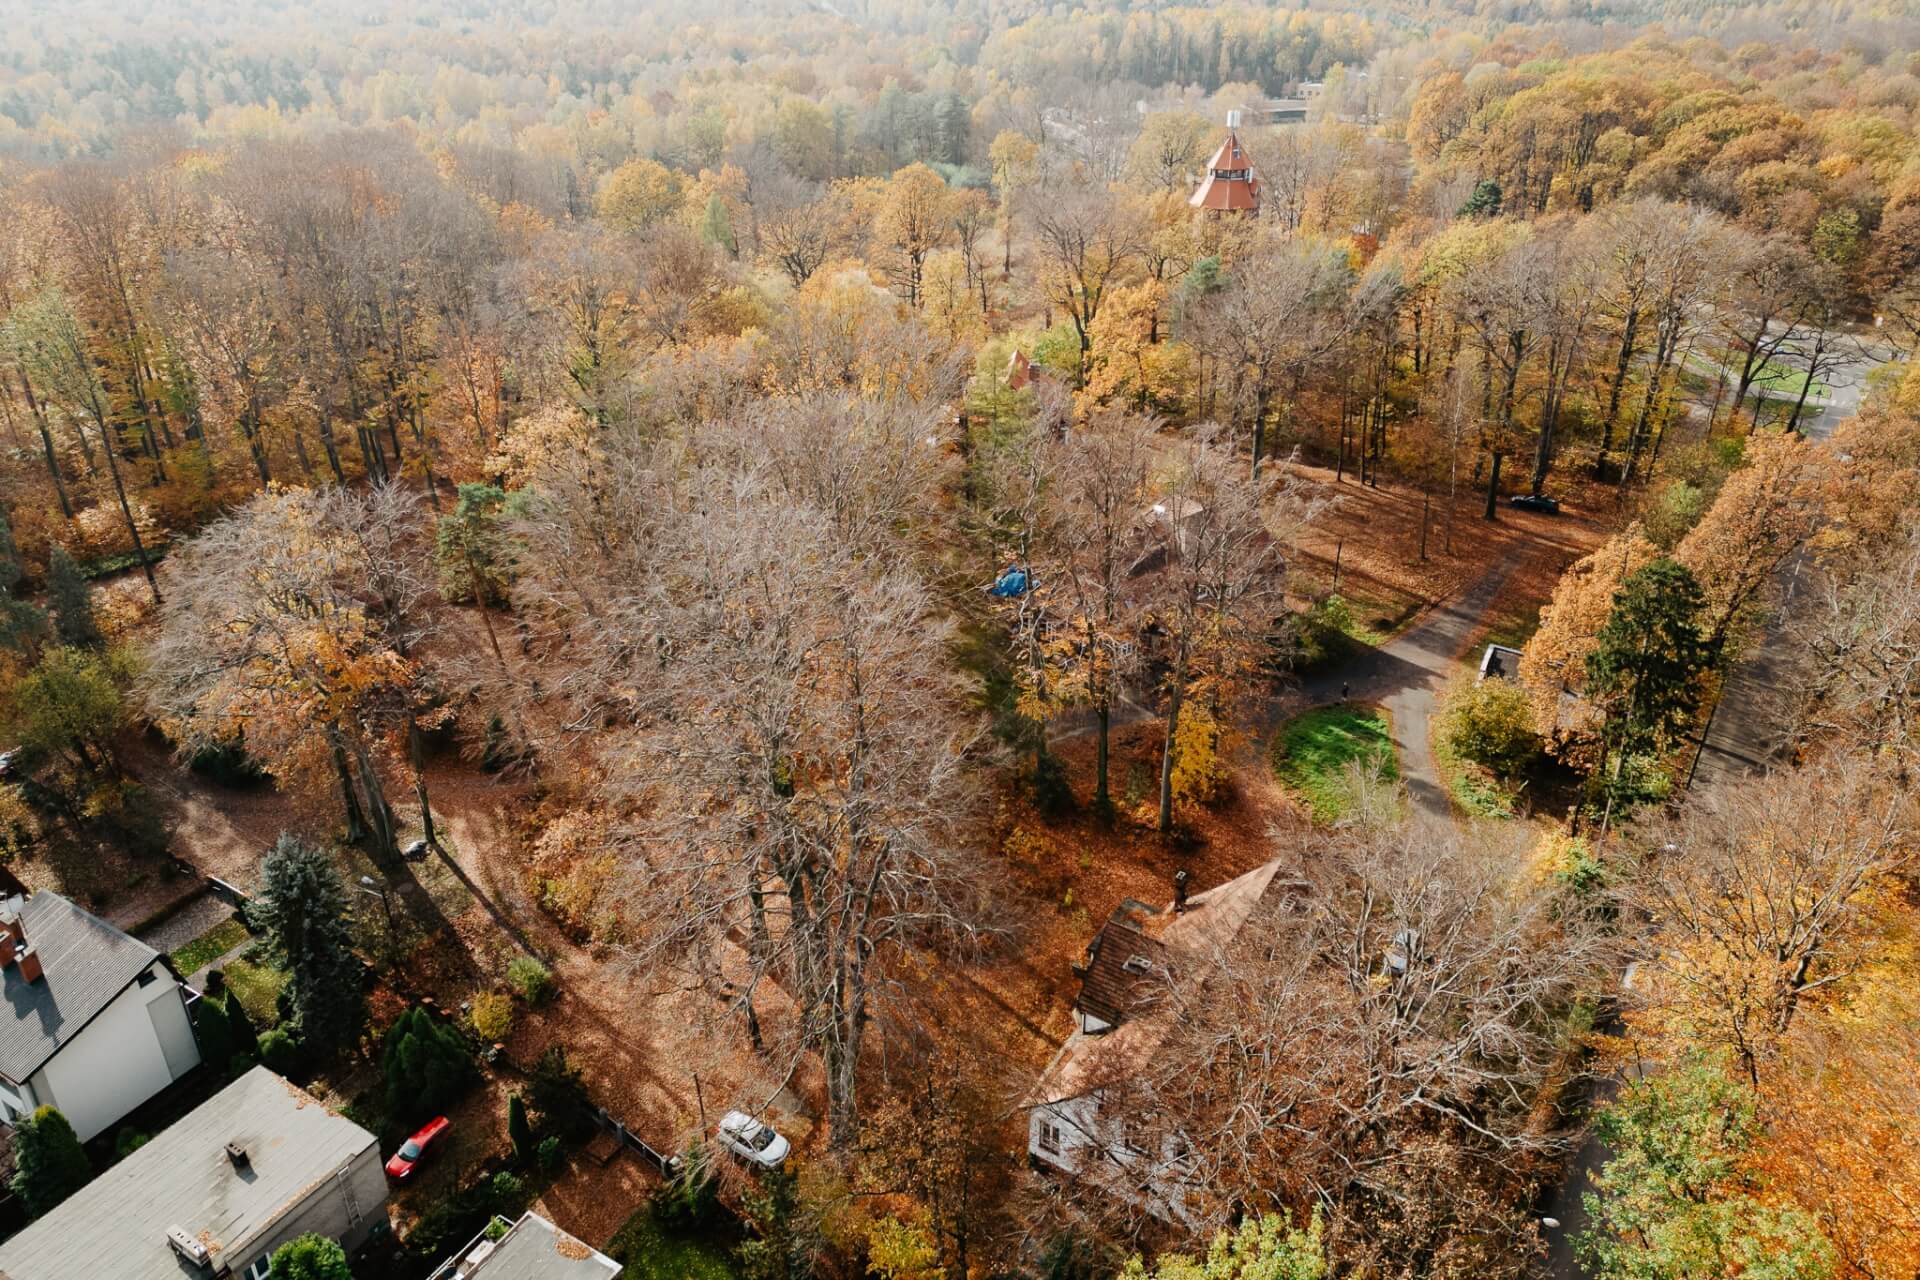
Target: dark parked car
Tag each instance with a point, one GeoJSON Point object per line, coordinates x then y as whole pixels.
{"type": "Point", "coordinates": [1535, 502]}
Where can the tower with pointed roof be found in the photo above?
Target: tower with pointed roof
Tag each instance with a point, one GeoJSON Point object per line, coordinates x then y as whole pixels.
{"type": "Point", "coordinates": [1231, 185]}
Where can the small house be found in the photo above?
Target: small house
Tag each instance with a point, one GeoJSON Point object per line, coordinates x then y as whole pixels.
{"type": "Point", "coordinates": [96, 1021]}
{"type": "Point", "coordinates": [1500, 663]}
{"type": "Point", "coordinates": [1079, 1122]}
{"type": "Point", "coordinates": [213, 1195]}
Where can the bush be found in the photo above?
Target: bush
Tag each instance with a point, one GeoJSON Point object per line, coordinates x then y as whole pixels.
{"type": "Point", "coordinates": [519, 1132]}
{"type": "Point", "coordinates": [530, 979]}
{"type": "Point", "coordinates": [310, 1257]}
{"type": "Point", "coordinates": [550, 1154]}
{"type": "Point", "coordinates": [228, 764]}
{"type": "Point", "coordinates": [1052, 795]}
{"type": "Point", "coordinates": [128, 1141]}
{"type": "Point", "coordinates": [427, 1066]}
{"type": "Point", "coordinates": [1490, 723]}
{"type": "Point", "coordinates": [558, 1094]}
{"type": "Point", "coordinates": [689, 1199]}
{"type": "Point", "coordinates": [49, 1163]}
{"type": "Point", "coordinates": [282, 1051]}
{"type": "Point", "coordinates": [492, 1015]}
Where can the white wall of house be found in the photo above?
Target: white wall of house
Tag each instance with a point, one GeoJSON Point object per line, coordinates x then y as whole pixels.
{"type": "Point", "coordinates": [1064, 1133]}
{"type": "Point", "coordinates": [1074, 1137]}
{"type": "Point", "coordinates": [134, 1048]}
{"type": "Point", "coordinates": [343, 1207]}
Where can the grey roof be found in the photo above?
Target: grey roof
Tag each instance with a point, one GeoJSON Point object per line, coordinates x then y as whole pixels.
{"type": "Point", "coordinates": [116, 1225]}
{"type": "Point", "coordinates": [535, 1249]}
{"type": "Point", "coordinates": [87, 962]}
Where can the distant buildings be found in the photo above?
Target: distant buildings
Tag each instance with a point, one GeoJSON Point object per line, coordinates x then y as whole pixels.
{"type": "Point", "coordinates": [95, 1021]}
{"type": "Point", "coordinates": [1230, 184]}
{"type": "Point", "coordinates": [259, 1163]}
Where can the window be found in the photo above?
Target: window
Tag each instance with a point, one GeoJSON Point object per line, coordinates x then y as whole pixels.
{"type": "Point", "coordinates": [1050, 1137]}
{"type": "Point", "coordinates": [261, 1268]}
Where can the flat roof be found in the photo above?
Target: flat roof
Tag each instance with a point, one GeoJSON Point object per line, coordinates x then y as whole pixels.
{"type": "Point", "coordinates": [534, 1249]}
{"type": "Point", "coordinates": [117, 1224]}
{"type": "Point", "coordinates": [86, 962]}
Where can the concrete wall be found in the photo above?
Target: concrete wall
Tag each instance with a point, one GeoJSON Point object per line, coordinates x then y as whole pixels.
{"type": "Point", "coordinates": [123, 1057]}
{"type": "Point", "coordinates": [344, 1207]}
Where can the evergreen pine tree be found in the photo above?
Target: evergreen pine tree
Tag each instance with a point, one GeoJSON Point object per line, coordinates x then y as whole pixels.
{"type": "Point", "coordinates": [10, 570]}
{"type": "Point", "coordinates": [716, 225]}
{"type": "Point", "coordinates": [49, 1163]}
{"type": "Point", "coordinates": [246, 1040]}
{"type": "Point", "coordinates": [519, 1130]}
{"type": "Point", "coordinates": [304, 911]}
{"type": "Point", "coordinates": [71, 599]}
{"type": "Point", "coordinates": [427, 1065]}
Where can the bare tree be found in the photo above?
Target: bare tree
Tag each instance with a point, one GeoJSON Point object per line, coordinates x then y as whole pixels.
{"type": "Point", "coordinates": [1086, 237]}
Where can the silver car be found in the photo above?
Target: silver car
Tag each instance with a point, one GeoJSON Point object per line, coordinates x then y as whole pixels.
{"type": "Point", "coordinates": [753, 1141]}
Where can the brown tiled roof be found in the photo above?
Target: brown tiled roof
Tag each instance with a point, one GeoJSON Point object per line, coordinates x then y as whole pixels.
{"type": "Point", "coordinates": [1125, 967]}
{"type": "Point", "coordinates": [1231, 185]}
{"type": "Point", "coordinates": [1211, 923]}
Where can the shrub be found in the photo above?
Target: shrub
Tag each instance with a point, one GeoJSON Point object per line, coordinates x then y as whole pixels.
{"type": "Point", "coordinates": [1052, 794]}
{"type": "Point", "coordinates": [49, 1163]}
{"type": "Point", "coordinates": [550, 1154]}
{"type": "Point", "coordinates": [558, 1094]}
{"type": "Point", "coordinates": [310, 1257]}
{"type": "Point", "coordinates": [1491, 723]}
{"type": "Point", "coordinates": [427, 1065]}
{"type": "Point", "coordinates": [690, 1197]}
{"type": "Point", "coordinates": [532, 980]}
{"type": "Point", "coordinates": [282, 1051]}
{"type": "Point", "coordinates": [519, 1132]}
{"type": "Point", "coordinates": [128, 1141]}
{"type": "Point", "coordinates": [492, 1015]}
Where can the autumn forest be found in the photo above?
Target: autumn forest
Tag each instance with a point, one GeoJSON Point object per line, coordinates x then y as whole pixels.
{"type": "Point", "coordinates": [1186, 641]}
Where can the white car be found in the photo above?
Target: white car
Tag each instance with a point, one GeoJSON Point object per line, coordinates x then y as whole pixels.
{"type": "Point", "coordinates": [753, 1141]}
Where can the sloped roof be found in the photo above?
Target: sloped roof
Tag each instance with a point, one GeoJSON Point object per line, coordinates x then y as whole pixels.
{"type": "Point", "coordinates": [116, 1225]}
{"type": "Point", "coordinates": [86, 962]}
{"type": "Point", "coordinates": [1209, 924]}
{"type": "Point", "coordinates": [1125, 967]}
{"type": "Point", "coordinates": [1231, 186]}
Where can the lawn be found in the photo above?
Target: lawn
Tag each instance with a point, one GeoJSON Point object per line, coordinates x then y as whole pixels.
{"type": "Point", "coordinates": [209, 946]}
{"type": "Point", "coordinates": [651, 1252]}
{"type": "Point", "coordinates": [1476, 792]}
{"type": "Point", "coordinates": [257, 988]}
{"type": "Point", "coordinates": [1312, 751]}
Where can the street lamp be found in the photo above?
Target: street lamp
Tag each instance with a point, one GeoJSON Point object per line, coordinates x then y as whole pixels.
{"type": "Point", "coordinates": [369, 885]}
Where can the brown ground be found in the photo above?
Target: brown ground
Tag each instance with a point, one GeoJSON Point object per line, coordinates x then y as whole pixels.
{"type": "Point", "coordinates": [657, 1057]}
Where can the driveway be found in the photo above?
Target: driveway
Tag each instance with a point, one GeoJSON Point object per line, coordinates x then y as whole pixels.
{"type": "Point", "coordinates": [1405, 677]}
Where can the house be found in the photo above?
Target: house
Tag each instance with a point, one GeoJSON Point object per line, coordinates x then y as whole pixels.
{"type": "Point", "coordinates": [1230, 186]}
{"type": "Point", "coordinates": [1500, 663]}
{"type": "Point", "coordinates": [1079, 1122]}
{"type": "Point", "coordinates": [214, 1195]}
{"type": "Point", "coordinates": [530, 1249]}
{"type": "Point", "coordinates": [96, 1021]}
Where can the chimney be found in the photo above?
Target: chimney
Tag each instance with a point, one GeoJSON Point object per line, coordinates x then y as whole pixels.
{"type": "Point", "coordinates": [1180, 891]}
{"type": "Point", "coordinates": [30, 964]}
{"type": "Point", "coordinates": [13, 933]}
{"type": "Point", "coordinates": [237, 1155]}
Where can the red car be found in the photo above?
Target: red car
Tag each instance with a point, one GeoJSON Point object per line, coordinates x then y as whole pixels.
{"type": "Point", "coordinates": [414, 1149]}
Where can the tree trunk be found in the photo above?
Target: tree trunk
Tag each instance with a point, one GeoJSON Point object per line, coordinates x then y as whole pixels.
{"type": "Point", "coordinates": [1493, 490]}
{"type": "Point", "coordinates": [1175, 699]}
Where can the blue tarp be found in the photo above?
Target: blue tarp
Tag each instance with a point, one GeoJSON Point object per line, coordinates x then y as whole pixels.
{"type": "Point", "coordinates": [1011, 583]}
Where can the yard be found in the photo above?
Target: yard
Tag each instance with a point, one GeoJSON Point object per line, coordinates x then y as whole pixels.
{"type": "Point", "coordinates": [650, 1251]}
{"type": "Point", "coordinates": [1312, 753]}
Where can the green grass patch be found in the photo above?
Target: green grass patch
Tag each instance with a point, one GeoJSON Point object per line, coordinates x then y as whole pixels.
{"type": "Point", "coordinates": [1312, 751]}
{"type": "Point", "coordinates": [257, 988]}
{"type": "Point", "coordinates": [209, 946]}
{"type": "Point", "coordinates": [1512, 626]}
{"type": "Point", "coordinates": [650, 1251]}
